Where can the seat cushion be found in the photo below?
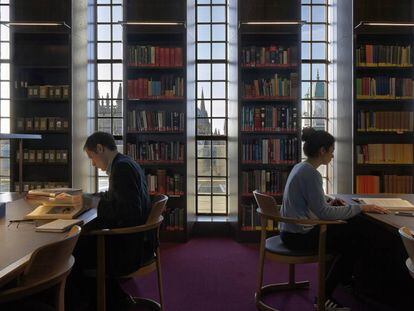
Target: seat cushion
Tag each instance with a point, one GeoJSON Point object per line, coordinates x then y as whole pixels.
{"type": "Point", "coordinates": [275, 245]}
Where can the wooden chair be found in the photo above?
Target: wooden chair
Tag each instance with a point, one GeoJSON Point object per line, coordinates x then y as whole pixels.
{"type": "Point", "coordinates": [154, 221]}
{"type": "Point", "coordinates": [408, 241]}
{"type": "Point", "coordinates": [273, 248]}
{"type": "Point", "coordinates": [48, 267]}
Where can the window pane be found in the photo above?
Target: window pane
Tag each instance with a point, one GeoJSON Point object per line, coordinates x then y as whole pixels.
{"type": "Point", "coordinates": [218, 127]}
{"type": "Point", "coordinates": [318, 69]}
{"type": "Point", "coordinates": [204, 148]}
{"type": "Point", "coordinates": [204, 185]}
{"type": "Point", "coordinates": [204, 167]}
{"type": "Point", "coordinates": [104, 32]}
{"type": "Point", "coordinates": [219, 14]}
{"type": "Point", "coordinates": [219, 50]}
{"type": "Point", "coordinates": [219, 32]}
{"type": "Point", "coordinates": [204, 204]}
{"type": "Point", "coordinates": [103, 184]}
{"type": "Point", "coordinates": [5, 125]}
{"type": "Point", "coordinates": [319, 108]}
{"type": "Point", "coordinates": [319, 124]}
{"type": "Point", "coordinates": [219, 204]}
{"type": "Point", "coordinates": [318, 50]}
{"type": "Point", "coordinates": [4, 148]}
{"type": "Point", "coordinates": [203, 88]}
{"type": "Point", "coordinates": [219, 149]}
{"type": "Point", "coordinates": [318, 14]}
{"type": "Point", "coordinates": [5, 89]}
{"type": "Point", "coordinates": [306, 91]}
{"type": "Point", "coordinates": [5, 108]}
{"type": "Point", "coordinates": [203, 126]}
{"type": "Point", "coordinates": [117, 90]}
{"type": "Point", "coordinates": [219, 71]}
{"type": "Point", "coordinates": [117, 127]}
{"type": "Point", "coordinates": [305, 33]}
{"type": "Point", "coordinates": [117, 109]}
{"type": "Point", "coordinates": [219, 108]}
{"type": "Point", "coordinates": [104, 89]}
{"type": "Point", "coordinates": [219, 90]}
{"type": "Point", "coordinates": [5, 166]}
{"type": "Point", "coordinates": [104, 50]}
{"type": "Point", "coordinates": [203, 14]}
{"type": "Point", "coordinates": [219, 167]}
{"type": "Point", "coordinates": [203, 72]}
{"type": "Point", "coordinates": [104, 72]}
{"type": "Point", "coordinates": [117, 71]}
{"type": "Point", "coordinates": [116, 32]}
{"type": "Point", "coordinates": [117, 50]}
{"type": "Point", "coordinates": [203, 32]}
{"type": "Point", "coordinates": [305, 13]}
{"type": "Point", "coordinates": [203, 108]}
{"type": "Point", "coordinates": [306, 108]}
{"type": "Point", "coordinates": [318, 32]}
{"type": "Point", "coordinates": [305, 50]}
{"type": "Point", "coordinates": [104, 125]}
{"type": "Point", "coordinates": [305, 72]}
{"type": "Point", "coordinates": [104, 14]}
{"type": "Point", "coordinates": [203, 51]}
{"type": "Point", "coordinates": [5, 50]}
{"type": "Point", "coordinates": [117, 13]}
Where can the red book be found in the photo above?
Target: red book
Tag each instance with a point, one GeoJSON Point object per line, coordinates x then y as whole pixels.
{"type": "Point", "coordinates": [157, 56]}
{"type": "Point", "coordinates": [162, 56]}
{"type": "Point", "coordinates": [172, 56]}
{"type": "Point", "coordinates": [167, 57]}
{"type": "Point", "coordinates": [178, 56]}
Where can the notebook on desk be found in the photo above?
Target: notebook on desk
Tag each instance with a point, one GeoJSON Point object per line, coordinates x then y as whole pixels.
{"type": "Point", "coordinates": [58, 225]}
{"type": "Point", "coordinates": [392, 204]}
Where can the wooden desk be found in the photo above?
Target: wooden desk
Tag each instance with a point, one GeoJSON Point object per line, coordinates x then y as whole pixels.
{"type": "Point", "coordinates": [390, 221]}
{"type": "Point", "coordinates": [381, 274]}
{"type": "Point", "coordinates": [19, 240]}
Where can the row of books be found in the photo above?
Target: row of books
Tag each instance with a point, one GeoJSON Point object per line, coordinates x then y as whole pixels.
{"type": "Point", "coordinates": [166, 85]}
{"type": "Point", "coordinates": [40, 185]}
{"type": "Point", "coordinates": [383, 55]}
{"type": "Point", "coordinates": [253, 56]}
{"type": "Point", "coordinates": [44, 156]}
{"type": "Point", "coordinates": [145, 120]}
{"type": "Point", "coordinates": [173, 219]}
{"type": "Point", "coordinates": [391, 184]}
{"type": "Point", "coordinates": [399, 121]}
{"type": "Point", "coordinates": [269, 118]}
{"type": "Point", "coordinates": [157, 56]}
{"type": "Point", "coordinates": [250, 220]}
{"type": "Point", "coordinates": [266, 181]}
{"type": "Point", "coordinates": [157, 151]}
{"type": "Point", "coordinates": [270, 151]}
{"type": "Point", "coordinates": [42, 124]}
{"type": "Point", "coordinates": [160, 182]}
{"type": "Point", "coordinates": [23, 90]}
{"type": "Point", "coordinates": [384, 87]}
{"type": "Point", "coordinates": [385, 154]}
{"type": "Point", "coordinates": [276, 86]}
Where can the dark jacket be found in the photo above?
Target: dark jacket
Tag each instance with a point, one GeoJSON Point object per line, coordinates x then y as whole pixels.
{"type": "Point", "coordinates": [125, 204]}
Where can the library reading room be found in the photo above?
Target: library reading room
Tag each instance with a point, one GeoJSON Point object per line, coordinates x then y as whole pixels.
{"type": "Point", "coordinates": [206, 155]}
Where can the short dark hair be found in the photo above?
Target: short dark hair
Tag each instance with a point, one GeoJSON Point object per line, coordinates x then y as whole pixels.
{"type": "Point", "coordinates": [101, 138]}
{"type": "Point", "coordinates": [315, 140]}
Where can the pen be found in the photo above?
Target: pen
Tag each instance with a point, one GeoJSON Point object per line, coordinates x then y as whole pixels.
{"type": "Point", "coordinates": [20, 220]}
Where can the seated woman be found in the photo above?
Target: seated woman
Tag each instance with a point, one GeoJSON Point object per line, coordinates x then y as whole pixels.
{"type": "Point", "coordinates": [304, 198]}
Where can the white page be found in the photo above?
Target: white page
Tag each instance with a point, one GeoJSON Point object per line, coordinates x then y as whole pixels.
{"type": "Point", "coordinates": [391, 203]}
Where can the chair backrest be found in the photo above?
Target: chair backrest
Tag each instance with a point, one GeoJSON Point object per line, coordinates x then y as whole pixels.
{"type": "Point", "coordinates": [50, 260]}
{"type": "Point", "coordinates": [266, 203]}
{"type": "Point", "coordinates": [408, 241]}
{"type": "Point", "coordinates": [157, 209]}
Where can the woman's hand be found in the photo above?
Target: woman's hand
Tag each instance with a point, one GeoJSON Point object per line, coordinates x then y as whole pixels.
{"type": "Point", "coordinates": [369, 208]}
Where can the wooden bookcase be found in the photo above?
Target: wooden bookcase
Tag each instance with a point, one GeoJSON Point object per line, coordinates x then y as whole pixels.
{"type": "Point", "coordinates": [155, 112]}
{"type": "Point", "coordinates": [41, 91]}
{"type": "Point", "coordinates": [383, 98]}
{"type": "Point", "coordinates": [269, 104]}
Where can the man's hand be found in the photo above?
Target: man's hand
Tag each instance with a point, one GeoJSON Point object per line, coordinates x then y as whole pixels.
{"type": "Point", "coordinates": [337, 202]}
{"type": "Point", "coordinates": [369, 208]}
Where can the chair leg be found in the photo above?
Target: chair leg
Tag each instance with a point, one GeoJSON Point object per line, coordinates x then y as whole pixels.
{"type": "Point", "coordinates": [159, 276]}
{"type": "Point", "coordinates": [60, 296]}
{"type": "Point", "coordinates": [100, 275]}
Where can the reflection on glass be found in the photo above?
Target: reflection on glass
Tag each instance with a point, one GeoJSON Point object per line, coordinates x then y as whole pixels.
{"type": "Point", "coordinates": [219, 167]}
{"type": "Point", "coordinates": [204, 148]}
{"type": "Point", "coordinates": [204, 167]}
{"type": "Point", "coordinates": [204, 204]}
{"type": "Point", "coordinates": [219, 204]}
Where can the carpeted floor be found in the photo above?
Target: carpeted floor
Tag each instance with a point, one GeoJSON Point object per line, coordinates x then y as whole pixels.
{"type": "Point", "coordinates": [214, 274]}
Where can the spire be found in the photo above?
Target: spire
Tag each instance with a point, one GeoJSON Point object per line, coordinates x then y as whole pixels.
{"type": "Point", "coordinates": [203, 106]}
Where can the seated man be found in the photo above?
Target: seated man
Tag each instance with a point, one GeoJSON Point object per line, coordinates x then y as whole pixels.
{"type": "Point", "coordinates": [125, 204]}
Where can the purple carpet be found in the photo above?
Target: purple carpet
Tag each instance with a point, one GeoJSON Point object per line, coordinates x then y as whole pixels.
{"type": "Point", "coordinates": [214, 274]}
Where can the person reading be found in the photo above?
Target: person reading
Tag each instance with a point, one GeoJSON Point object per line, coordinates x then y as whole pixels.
{"type": "Point", "coordinates": [304, 198]}
{"type": "Point", "coordinates": [125, 204]}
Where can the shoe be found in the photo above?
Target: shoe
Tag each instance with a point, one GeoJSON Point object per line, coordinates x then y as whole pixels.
{"type": "Point", "coordinates": [332, 305]}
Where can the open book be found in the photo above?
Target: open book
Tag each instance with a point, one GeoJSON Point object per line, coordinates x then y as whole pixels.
{"type": "Point", "coordinates": [394, 204]}
{"type": "Point", "coordinates": [64, 211]}
{"type": "Point", "coordinates": [70, 196]}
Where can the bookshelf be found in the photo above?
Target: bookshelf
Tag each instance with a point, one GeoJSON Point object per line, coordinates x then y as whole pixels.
{"type": "Point", "coordinates": [383, 98]}
{"type": "Point", "coordinates": [41, 92]}
{"type": "Point", "coordinates": [155, 112]}
{"type": "Point", "coordinates": [269, 106]}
